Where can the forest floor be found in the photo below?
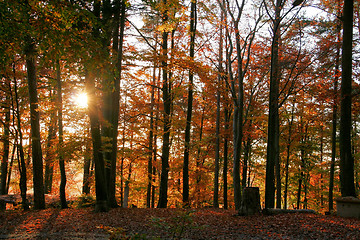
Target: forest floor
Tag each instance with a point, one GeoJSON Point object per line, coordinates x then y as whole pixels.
{"type": "Point", "coordinates": [138, 223]}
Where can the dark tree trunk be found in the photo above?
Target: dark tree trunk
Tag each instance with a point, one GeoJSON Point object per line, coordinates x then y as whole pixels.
{"type": "Point", "coordinates": [127, 189]}
{"type": "Point", "coordinates": [38, 179]}
{"type": "Point", "coordinates": [334, 121]}
{"type": "Point", "coordinates": [227, 114]}
{"type": "Point", "coordinates": [6, 142]}
{"type": "Point", "coordinates": [273, 122]}
{"type": "Point", "coordinates": [247, 152]}
{"type": "Point", "coordinates": [193, 22]}
{"type": "Point", "coordinates": [50, 153]}
{"type": "Point", "coordinates": [100, 179]}
{"type": "Point", "coordinates": [238, 124]}
{"type": "Point", "coordinates": [151, 141]}
{"type": "Point", "coordinates": [346, 158]}
{"type": "Point", "coordinates": [288, 148]}
{"type": "Point", "coordinates": [250, 203]}
{"type": "Point", "coordinates": [115, 95]}
{"type": "Point", "coordinates": [167, 121]}
{"type": "Point", "coordinates": [20, 152]}
{"type": "Point", "coordinates": [87, 163]}
{"type": "Point", "coordinates": [218, 111]}
{"type": "Point", "coordinates": [61, 141]}
{"type": "Point", "coordinates": [199, 162]}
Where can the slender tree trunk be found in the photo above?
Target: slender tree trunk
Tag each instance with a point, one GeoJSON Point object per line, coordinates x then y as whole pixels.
{"type": "Point", "coordinates": [87, 163]}
{"type": "Point", "coordinates": [346, 158]}
{"type": "Point", "coordinates": [247, 150]}
{"type": "Point", "coordinates": [38, 179]}
{"type": "Point", "coordinates": [20, 151]}
{"type": "Point", "coordinates": [127, 189]}
{"type": "Point", "coordinates": [6, 141]}
{"type": "Point", "coordinates": [217, 151]}
{"type": "Point", "coordinates": [193, 22]}
{"type": "Point", "coordinates": [218, 110]}
{"type": "Point", "coordinates": [151, 140]}
{"type": "Point", "coordinates": [238, 124]}
{"type": "Point", "coordinates": [61, 141]}
{"type": "Point", "coordinates": [167, 121]}
{"type": "Point", "coordinates": [334, 121]}
{"type": "Point", "coordinates": [14, 151]}
{"type": "Point", "coordinates": [321, 184]}
{"type": "Point", "coordinates": [273, 122]}
{"type": "Point", "coordinates": [226, 151]}
{"type": "Point", "coordinates": [114, 119]}
{"type": "Point", "coordinates": [288, 148]}
{"type": "Point", "coordinates": [50, 154]}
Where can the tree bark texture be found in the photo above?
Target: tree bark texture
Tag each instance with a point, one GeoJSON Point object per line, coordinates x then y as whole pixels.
{"type": "Point", "coordinates": [61, 141]}
{"type": "Point", "coordinates": [166, 116]}
{"type": "Point", "coordinates": [6, 142]}
{"type": "Point", "coordinates": [273, 121]}
{"type": "Point", "coordinates": [100, 179]}
{"type": "Point", "coordinates": [50, 152]}
{"type": "Point", "coordinates": [38, 179]}
{"type": "Point", "coordinates": [20, 151]}
{"type": "Point", "coordinates": [250, 203]}
{"type": "Point", "coordinates": [346, 157]}
{"type": "Point", "coordinates": [334, 121]}
{"type": "Point", "coordinates": [193, 22]}
{"type": "Point", "coordinates": [218, 113]}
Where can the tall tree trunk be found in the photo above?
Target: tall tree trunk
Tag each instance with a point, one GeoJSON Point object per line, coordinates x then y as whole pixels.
{"type": "Point", "coordinates": [14, 151]}
{"type": "Point", "coordinates": [321, 184]}
{"type": "Point", "coordinates": [288, 148]}
{"type": "Point", "coordinates": [151, 138]}
{"type": "Point", "coordinates": [38, 179]}
{"type": "Point", "coordinates": [50, 154]}
{"type": "Point", "coordinates": [334, 120]}
{"type": "Point", "coordinates": [199, 162]}
{"type": "Point", "coordinates": [247, 152]}
{"type": "Point", "coordinates": [238, 123]}
{"type": "Point", "coordinates": [127, 189]}
{"type": "Point", "coordinates": [273, 122]}
{"type": "Point", "coordinates": [346, 158]}
{"type": "Point", "coordinates": [61, 141]}
{"type": "Point", "coordinates": [167, 121]}
{"type": "Point", "coordinates": [226, 150]}
{"type": "Point", "coordinates": [100, 179]}
{"type": "Point", "coordinates": [20, 150]}
{"type": "Point", "coordinates": [218, 110]}
{"type": "Point", "coordinates": [193, 21]}
{"type": "Point", "coordinates": [115, 95]}
{"type": "Point", "coordinates": [6, 141]}
{"type": "Point", "coordinates": [87, 164]}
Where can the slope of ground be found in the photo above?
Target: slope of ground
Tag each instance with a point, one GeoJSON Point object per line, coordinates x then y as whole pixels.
{"type": "Point", "coordinates": [139, 223]}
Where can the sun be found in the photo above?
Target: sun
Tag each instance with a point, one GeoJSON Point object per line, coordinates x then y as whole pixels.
{"type": "Point", "coordinates": [81, 100]}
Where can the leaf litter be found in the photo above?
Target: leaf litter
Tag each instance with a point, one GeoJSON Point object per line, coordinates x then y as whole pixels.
{"type": "Point", "coordinates": [141, 223]}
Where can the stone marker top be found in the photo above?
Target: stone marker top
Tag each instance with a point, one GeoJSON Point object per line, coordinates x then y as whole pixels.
{"type": "Point", "coordinates": [348, 199]}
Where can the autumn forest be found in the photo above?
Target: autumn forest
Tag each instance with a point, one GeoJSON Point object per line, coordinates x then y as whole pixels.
{"type": "Point", "coordinates": [168, 103]}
